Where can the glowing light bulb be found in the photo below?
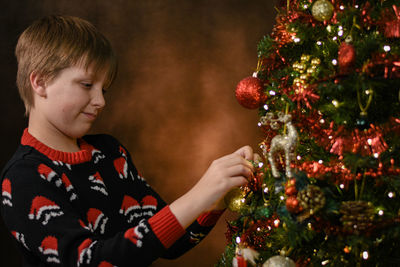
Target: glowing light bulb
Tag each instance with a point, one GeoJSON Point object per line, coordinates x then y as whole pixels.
{"type": "Point", "coordinates": [365, 255]}
{"type": "Point", "coordinates": [276, 223]}
{"type": "Point", "coordinates": [334, 62]}
{"type": "Point", "coordinates": [320, 161]}
{"type": "Point", "coordinates": [238, 239]}
{"type": "Point", "coordinates": [390, 194]}
{"type": "Point", "coordinates": [386, 48]}
{"type": "Point", "coordinates": [260, 164]}
{"type": "Point", "coordinates": [272, 92]}
{"type": "Point", "coordinates": [369, 141]}
{"type": "Point", "coordinates": [266, 107]}
{"type": "Point", "coordinates": [335, 103]}
{"type": "Point", "coordinates": [319, 43]}
{"type": "Point", "coordinates": [380, 212]}
{"type": "Point", "coordinates": [341, 186]}
{"type": "Point", "coordinates": [298, 157]}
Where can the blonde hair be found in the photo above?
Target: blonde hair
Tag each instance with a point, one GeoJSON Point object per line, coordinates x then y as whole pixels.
{"type": "Point", "coordinates": [54, 43]}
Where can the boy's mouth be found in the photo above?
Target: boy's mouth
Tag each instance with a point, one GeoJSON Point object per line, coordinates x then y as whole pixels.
{"type": "Point", "coordinates": [91, 116]}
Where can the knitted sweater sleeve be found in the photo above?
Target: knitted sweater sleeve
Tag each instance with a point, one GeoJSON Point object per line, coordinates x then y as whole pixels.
{"type": "Point", "coordinates": [40, 216]}
{"type": "Point", "coordinates": [194, 233]}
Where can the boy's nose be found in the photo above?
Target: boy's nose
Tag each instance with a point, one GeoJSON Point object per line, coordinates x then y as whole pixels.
{"type": "Point", "coordinates": [98, 98]}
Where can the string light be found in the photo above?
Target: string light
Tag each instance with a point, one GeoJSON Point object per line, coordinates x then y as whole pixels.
{"type": "Point", "coordinates": [260, 164]}
{"type": "Point", "coordinates": [266, 107]}
{"type": "Point", "coordinates": [238, 239]}
{"type": "Point", "coordinates": [365, 255]}
{"type": "Point", "coordinates": [380, 212]}
{"type": "Point", "coordinates": [335, 103]}
{"type": "Point", "coordinates": [319, 43]}
{"type": "Point", "coordinates": [390, 194]}
{"type": "Point", "coordinates": [386, 48]}
{"type": "Point", "coordinates": [334, 62]}
{"type": "Point", "coordinates": [276, 222]}
{"type": "Point", "coordinates": [341, 186]}
{"type": "Point", "coordinates": [272, 92]}
{"type": "Point", "coordinates": [325, 262]}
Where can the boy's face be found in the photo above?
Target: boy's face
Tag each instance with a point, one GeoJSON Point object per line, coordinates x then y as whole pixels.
{"type": "Point", "coordinates": [74, 98]}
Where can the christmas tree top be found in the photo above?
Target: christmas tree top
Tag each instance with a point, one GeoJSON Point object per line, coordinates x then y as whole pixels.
{"type": "Point", "coordinates": [328, 91]}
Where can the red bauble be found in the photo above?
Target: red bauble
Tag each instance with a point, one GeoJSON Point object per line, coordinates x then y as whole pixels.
{"type": "Point", "coordinates": [291, 191]}
{"type": "Point", "coordinates": [293, 204]}
{"type": "Point", "coordinates": [249, 92]}
{"type": "Point", "coordinates": [347, 56]}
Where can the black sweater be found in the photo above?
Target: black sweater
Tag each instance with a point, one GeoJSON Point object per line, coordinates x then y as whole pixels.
{"type": "Point", "coordinates": [89, 208]}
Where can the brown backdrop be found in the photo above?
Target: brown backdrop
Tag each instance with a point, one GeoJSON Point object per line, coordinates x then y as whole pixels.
{"type": "Point", "coordinates": [173, 102]}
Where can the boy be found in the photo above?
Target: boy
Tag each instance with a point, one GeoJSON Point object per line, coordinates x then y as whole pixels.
{"type": "Point", "coordinates": [76, 200]}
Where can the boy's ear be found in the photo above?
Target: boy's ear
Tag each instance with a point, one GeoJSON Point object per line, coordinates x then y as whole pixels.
{"type": "Point", "coordinates": [38, 83]}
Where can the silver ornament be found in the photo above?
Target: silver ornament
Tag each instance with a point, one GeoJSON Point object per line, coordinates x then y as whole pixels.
{"type": "Point", "coordinates": [287, 143]}
{"type": "Point", "coordinates": [279, 261]}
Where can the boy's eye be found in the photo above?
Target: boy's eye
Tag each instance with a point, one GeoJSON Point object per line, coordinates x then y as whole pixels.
{"type": "Point", "coordinates": [87, 85]}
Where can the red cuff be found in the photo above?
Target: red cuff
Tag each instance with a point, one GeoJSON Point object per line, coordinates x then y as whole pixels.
{"type": "Point", "coordinates": [209, 218]}
{"type": "Point", "coordinates": [166, 227]}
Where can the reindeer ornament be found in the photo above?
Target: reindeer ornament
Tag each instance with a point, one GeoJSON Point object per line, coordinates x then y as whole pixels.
{"type": "Point", "coordinates": [286, 142]}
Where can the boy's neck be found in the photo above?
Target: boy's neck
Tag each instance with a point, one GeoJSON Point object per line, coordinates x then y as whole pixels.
{"type": "Point", "coordinates": [51, 137]}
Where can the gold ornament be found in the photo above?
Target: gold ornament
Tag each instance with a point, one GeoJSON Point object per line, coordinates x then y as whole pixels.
{"type": "Point", "coordinates": [315, 61]}
{"type": "Point", "coordinates": [235, 199]}
{"type": "Point", "coordinates": [305, 57]}
{"type": "Point", "coordinates": [322, 10]}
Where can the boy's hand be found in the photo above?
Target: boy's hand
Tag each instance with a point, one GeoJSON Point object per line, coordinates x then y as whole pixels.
{"type": "Point", "coordinates": [225, 173]}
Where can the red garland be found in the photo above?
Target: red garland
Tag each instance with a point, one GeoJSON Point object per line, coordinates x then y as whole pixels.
{"type": "Point", "coordinates": [392, 27]}
{"type": "Point", "coordinates": [384, 65]}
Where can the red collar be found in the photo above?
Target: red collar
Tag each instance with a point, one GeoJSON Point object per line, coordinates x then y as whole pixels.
{"type": "Point", "coordinates": [84, 155]}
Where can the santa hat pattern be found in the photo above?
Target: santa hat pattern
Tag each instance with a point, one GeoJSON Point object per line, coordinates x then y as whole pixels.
{"type": "Point", "coordinates": [85, 251]}
{"type": "Point", "coordinates": [135, 234]}
{"type": "Point", "coordinates": [60, 163]}
{"type": "Point", "coordinates": [149, 205]}
{"type": "Point", "coordinates": [20, 238]}
{"type": "Point", "coordinates": [98, 183]}
{"type": "Point", "coordinates": [97, 155]}
{"type": "Point", "coordinates": [49, 248]}
{"type": "Point", "coordinates": [6, 192]}
{"type": "Point", "coordinates": [123, 152]}
{"type": "Point", "coordinates": [105, 264]}
{"type": "Point", "coordinates": [121, 166]}
{"type": "Point", "coordinates": [68, 187]}
{"type": "Point", "coordinates": [97, 220]}
{"type": "Point", "coordinates": [130, 208]}
{"type": "Point", "coordinates": [84, 225]}
{"type": "Point", "coordinates": [49, 175]}
{"type": "Point", "coordinates": [43, 209]}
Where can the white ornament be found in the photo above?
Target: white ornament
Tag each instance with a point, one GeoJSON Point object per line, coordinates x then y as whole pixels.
{"type": "Point", "coordinates": [279, 261]}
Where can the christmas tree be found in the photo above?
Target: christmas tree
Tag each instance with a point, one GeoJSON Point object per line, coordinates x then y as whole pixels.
{"type": "Point", "coordinates": [327, 88]}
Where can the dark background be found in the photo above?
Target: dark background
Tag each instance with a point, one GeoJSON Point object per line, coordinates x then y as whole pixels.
{"type": "Point", "coordinates": [173, 104]}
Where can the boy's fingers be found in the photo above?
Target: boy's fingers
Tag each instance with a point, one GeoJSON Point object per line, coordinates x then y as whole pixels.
{"type": "Point", "coordinates": [257, 158]}
{"type": "Point", "coordinates": [240, 170]}
{"type": "Point", "coordinates": [238, 181]}
{"type": "Point", "coordinates": [246, 152]}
